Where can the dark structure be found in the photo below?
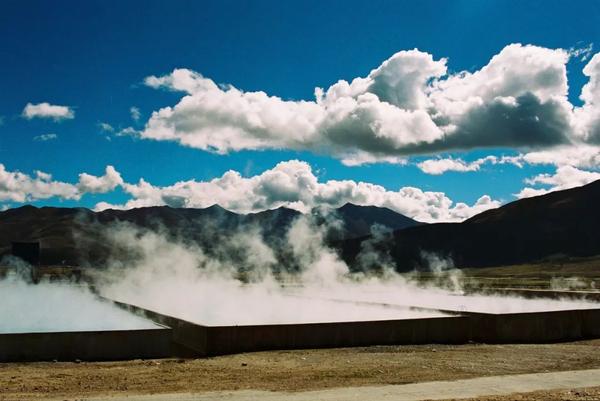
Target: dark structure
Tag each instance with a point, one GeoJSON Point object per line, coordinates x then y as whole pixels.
{"type": "Point", "coordinates": [28, 251]}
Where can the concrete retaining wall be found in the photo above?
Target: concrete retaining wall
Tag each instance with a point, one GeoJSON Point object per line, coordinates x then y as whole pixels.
{"type": "Point", "coordinates": [87, 345]}
{"type": "Point", "coordinates": [536, 327]}
{"type": "Point", "coordinates": [232, 339]}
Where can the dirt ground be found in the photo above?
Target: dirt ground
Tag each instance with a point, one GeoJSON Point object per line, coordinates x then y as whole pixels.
{"type": "Point", "coordinates": [295, 370]}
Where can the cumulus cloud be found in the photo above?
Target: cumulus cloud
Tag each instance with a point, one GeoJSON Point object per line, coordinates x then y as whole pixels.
{"type": "Point", "coordinates": [565, 177]}
{"type": "Point", "coordinates": [20, 187]}
{"type": "Point", "coordinates": [408, 105]}
{"type": "Point", "coordinates": [587, 117]}
{"type": "Point", "coordinates": [45, 137]}
{"type": "Point", "coordinates": [93, 184]}
{"type": "Point", "coordinates": [47, 110]}
{"type": "Point", "coordinates": [293, 184]}
{"type": "Point", "coordinates": [582, 156]}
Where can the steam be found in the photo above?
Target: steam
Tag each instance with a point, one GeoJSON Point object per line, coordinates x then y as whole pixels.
{"type": "Point", "coordinates": [571, 284]}
{"type": "Point", "coordinates": [444, 274]}
{"type": "Point", "coordinates": [180, 279]}
{"type": "Point", "coordinates": [299, 279]}
{"type": "Point", "coordinates": [57, 307]}
{"type": "Point", "coordinates": [247, 278]}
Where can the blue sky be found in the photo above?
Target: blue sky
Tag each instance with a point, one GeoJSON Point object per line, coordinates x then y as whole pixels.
{"type": "Point", "coordinates": [93, 57]}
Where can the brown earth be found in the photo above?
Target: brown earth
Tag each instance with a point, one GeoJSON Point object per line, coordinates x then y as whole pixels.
{"type": "Point", "coordinates": [294, 370]}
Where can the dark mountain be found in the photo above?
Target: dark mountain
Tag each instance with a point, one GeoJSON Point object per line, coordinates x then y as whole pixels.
{"type": "Point", "coordinates": [558, 224]}
{"type": "Point", "coordinates": [76, 235]}
{"type": "Point", "coordinates": [358, 220]}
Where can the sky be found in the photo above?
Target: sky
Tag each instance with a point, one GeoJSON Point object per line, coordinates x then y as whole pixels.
{"type": "Point", "coordinates": [438, 110]}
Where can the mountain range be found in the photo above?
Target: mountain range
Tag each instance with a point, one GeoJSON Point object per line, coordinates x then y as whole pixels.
{"type": "Point", "coordinates": [75, 236]}
{"type": "Point", "coordinates": [556, 225]}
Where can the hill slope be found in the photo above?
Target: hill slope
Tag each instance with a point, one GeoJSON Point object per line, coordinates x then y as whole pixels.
{"type": "Point", "coordinates": [562, 223]}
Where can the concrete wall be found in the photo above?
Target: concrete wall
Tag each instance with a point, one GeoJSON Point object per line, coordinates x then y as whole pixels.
{"type": "Point", "coordinates": [190, 336]}
{"type": "Point", "coordinates": [536, 327]}
{"type": "Point", "coordinates": [233, 339]}
{"type": "Point", "coordinates": [87, 345]}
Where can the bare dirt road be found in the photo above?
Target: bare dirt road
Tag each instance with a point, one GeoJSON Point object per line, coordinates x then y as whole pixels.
{"type": "Point", "coordinates": [292, 371]}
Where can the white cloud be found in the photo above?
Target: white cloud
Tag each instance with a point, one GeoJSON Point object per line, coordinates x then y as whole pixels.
{"type": "Point", "coordinates": [583, 156]}
{"type": "Point", "coordinates": [442, 165]}
{"type": "Point", "coordinates": [529, 192]}
{"type": "Point", "coordinates": [565, 177]}
{"type": "Point", "coordinates": [47, 110]}
{"type": "Point", "coordinates": [293, 184]}
{"type": "Point", "coordinates": [582, 53]}
{"type": "Point", "coordinates": [135, 113]}
{"type": "Point", "coordinates": [106, 127]}
{"type": "Point", "coordinates": [45, 137]}
{"type": "Point", "coordinates": [408, 105]}
{"type": "Point", "coordinates": [128, 131]}
{"type": "Point", "coordinates": [19, 187]}
{"type": "Point", "coordinates": [587, 117]}
{"type": "Point", "coordinates": [93, 184]}
{"type": "Point", "coordinates": [361, 158]}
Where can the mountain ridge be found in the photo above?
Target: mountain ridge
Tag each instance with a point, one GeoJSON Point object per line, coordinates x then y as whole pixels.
{"type": "Point", "coordinates": [553, 225]}
{"type": "Point", "coordinates": [72, 235]}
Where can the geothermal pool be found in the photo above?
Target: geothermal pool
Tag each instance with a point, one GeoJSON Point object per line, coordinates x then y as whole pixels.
{"type": "Point", "coordinates": [278, 309]}
{"type": "Point", "coordinates": [60, 307]}
{"type": "Point", "coordinates": [227, 304]}
{"type": "Point", "coordinates": [436, 298]}
{"type": "Point", "coordinates": [54, 307]}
